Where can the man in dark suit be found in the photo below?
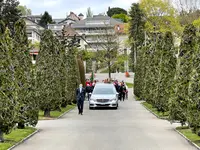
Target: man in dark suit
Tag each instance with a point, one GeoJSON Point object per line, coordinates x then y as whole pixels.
{"type": "Point", "coordinates": [80, 96]}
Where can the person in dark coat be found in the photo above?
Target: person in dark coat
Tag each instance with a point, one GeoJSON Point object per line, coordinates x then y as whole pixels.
{"type": "Point", "coordinates": [88, 90]}
{"type": "Point", "coordinates": [80, 96]}
{"type": "Point", "coordinates": [123, 90]}
{"type": "Point", "coordinates": [120, 91]}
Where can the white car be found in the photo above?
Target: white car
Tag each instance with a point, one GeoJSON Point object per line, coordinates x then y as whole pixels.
{"type": "Point", "coordinates": [104, 95]}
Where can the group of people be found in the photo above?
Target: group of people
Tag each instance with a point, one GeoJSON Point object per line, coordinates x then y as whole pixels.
{"type": "Point", "coordinates": [89, 87]}
{"type": "Point", "coordinates": [122, 89]}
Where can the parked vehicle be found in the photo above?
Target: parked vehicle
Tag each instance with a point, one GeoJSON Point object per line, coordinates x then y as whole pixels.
{"type": "Point", "coordinates": [104, 95]}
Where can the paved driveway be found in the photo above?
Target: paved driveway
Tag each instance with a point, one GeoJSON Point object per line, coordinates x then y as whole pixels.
{"type": "Point", "coordinates": [131, 127]}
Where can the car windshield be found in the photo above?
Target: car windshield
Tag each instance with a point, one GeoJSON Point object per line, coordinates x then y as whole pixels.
{"type": "Point", "coordinates": [103, 90]}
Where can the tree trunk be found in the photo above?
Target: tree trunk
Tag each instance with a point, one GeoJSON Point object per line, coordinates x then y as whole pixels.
{"type": "Point", "coordinates": [135, 57]}
{"type": "Point", "coordinates": [64, 105]}
{"type": "Point", "coordinates": [1, 137]}
{"type": "Point", "coordinates": [109, 70]}
{"type": "Point", "coordinates": [47, 113]}
{"type": "Point", "coordinates": [21, 125]}
{"type": "Point", "coordinates": [59, 109]}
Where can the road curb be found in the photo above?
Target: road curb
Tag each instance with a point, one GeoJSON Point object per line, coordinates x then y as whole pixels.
{"type": "Point", "coordinates": [193, 144]}
{"type": "Point", "coordinates": [65, 113]}
{"type": "Point", "coordinates": [154, 113]}
{"type": "Point", "coordinates": [23, 140]}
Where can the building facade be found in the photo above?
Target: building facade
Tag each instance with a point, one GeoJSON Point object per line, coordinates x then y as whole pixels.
{"type": "Point", "coordinates": [95, 31]}
{"type": "Point", "coordinates": [100, 32]}
{"type": "Point", "coordinates": [33, 30]}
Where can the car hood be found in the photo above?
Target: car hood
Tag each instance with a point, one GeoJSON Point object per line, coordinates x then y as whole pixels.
{"type": "Point", "coordinates": [101, 96]}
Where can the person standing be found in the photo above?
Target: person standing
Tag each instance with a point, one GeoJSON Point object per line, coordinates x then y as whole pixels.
{"type": "Point", "coordinates": [80, 96]}
{"type": "Point", "coordinates": [123, 90]}
{"type": "Point", "coordinates": [88, 91]}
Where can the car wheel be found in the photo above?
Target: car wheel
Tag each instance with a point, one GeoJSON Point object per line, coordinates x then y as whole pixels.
{"type": "Point", "coordinates": [90, 108]}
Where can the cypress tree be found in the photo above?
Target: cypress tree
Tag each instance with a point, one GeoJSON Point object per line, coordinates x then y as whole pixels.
{"type": "Point", "coordinates": [167, 68]}
{"type": "Point", "coordinates": [180, 96]}
{"type": "Point", "coordinates": [81, 71]}
{"type": "Point", "coordinates": [63, 76]}
{"type": "Point", "coordinates": [193, 109]}
{"type": "Point", "coordinates": [28, 105]}
{"type": "Point", "coordinates": [73, 78]}
{"type": "Point", "coordinates": [47, 74]}
{"type": "Point", "coordinates": [136, 31]}
{"type": "Point", "coordinates": [8, 96]}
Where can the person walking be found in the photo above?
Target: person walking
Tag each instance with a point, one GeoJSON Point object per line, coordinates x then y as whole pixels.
{"type": "Point", "coordinates": [80, 96]}
{"type": "Point", "coordinates": [123, 90]}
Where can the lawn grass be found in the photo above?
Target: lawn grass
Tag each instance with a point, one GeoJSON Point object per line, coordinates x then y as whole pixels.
{"type": "Point", "coordinates": [159, 114]}
{"type": "Point", "coordinates": [104, 71]}
{"type": "Point", "coordinates": [130, 85]}
{"type": "Point", "coordinates": [55, 114]}
{"type": "Point", "coordinates": [189, 134]}
{"type": "Point", "coordinates": [16, 136]}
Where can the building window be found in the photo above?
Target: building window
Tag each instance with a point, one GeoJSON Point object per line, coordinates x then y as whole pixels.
{"type": "Point", "coordinates": [29, 34]}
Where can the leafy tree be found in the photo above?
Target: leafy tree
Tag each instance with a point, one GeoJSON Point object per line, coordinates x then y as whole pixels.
{"type": "Point", "coordinates": [108, 51]}
{"type": "Point", "coordinates": [9, 12]}
{"type": "Point", "coordinates": [8, 95]}
{"type": "Point", "coordinates": [187, 17]}
{"type": "Point", "coordinates": [24, 10]}
{"type": "Point", "coordinates": [116, 10]}
{"type": "Point", "coordinates": [136, 30]}
{"type": "Point", "coordinates": [180, 96]}
{"type": "Point", "coordinates": [45, 19]}
{"type": "Point", "coordinates": [28, 105]}
{"type": "Point", "coordinates": [123, 17]}
{"type": "Point", "coordinates": [47, 81]}
{"type": "Point", "coordinates": [161, 16]}
{"type": "Point", "coordinates": [89, 13]}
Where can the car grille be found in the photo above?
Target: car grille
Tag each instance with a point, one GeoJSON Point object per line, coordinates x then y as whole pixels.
{"type": "Point", "coordinates": [102, 100]}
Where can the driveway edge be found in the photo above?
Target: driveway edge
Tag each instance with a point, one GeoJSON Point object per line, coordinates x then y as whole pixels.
{"type": "Point", "coordinates": [153, 113]}
{"type": "Point", "coordinates": [23, 140]}
{"type": "Point", "coordinates": [193, 144]}
{"type": "Point", "coordinates": [65, 113]}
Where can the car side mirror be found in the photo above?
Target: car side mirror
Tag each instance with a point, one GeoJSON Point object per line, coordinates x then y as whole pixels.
{"type": "Point", "coordinates": [117, 93]}
{"type": "Point", "coordinates": [90, 93]}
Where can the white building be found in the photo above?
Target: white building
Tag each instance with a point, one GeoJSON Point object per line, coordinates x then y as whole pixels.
{"type": "Point", "coordinates": [33, 30]}
{"type": "Point", "coordinates": [96, 29]}
{"type": "Point", "coordinates": [100, 31]}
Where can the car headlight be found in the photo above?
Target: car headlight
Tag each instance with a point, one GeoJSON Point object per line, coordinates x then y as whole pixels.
{"type": "Point", "coordinates": [93, 100]}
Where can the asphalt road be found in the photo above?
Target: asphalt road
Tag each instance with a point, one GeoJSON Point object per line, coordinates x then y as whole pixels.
{"type": "Point", "coordinates": [131, 127]}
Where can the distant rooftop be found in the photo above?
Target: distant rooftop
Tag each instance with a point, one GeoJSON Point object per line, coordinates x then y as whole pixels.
{"type": "Point", "coordinates": [80, 15]}
{"type": "Point", "coordinates": [96, 21]}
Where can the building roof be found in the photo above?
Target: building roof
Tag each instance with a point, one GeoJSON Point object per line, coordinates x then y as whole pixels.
{"type": "Point", "coordinates": [92, 22]}
{"type": "Point", "coordinates": [80, 15]}
{"type": "Point", "coordinates": [57, 21]}
{"type": "Point", "coordinates": [27, 18]}
{"type": "Point", "coordinates": [69, 31]}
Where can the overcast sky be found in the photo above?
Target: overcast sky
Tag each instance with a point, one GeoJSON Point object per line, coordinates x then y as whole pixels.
{"type": "Point", "coordinates": [59, 8]}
